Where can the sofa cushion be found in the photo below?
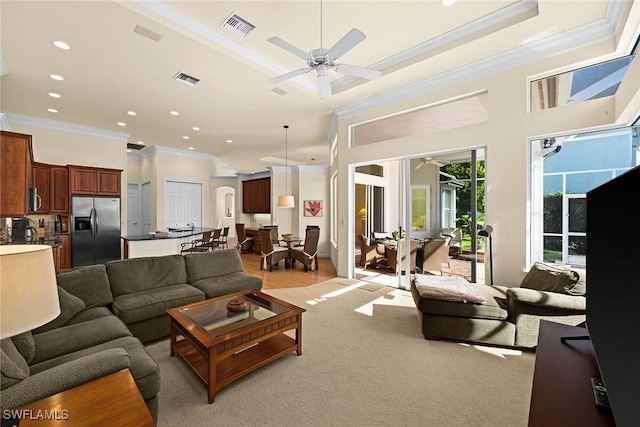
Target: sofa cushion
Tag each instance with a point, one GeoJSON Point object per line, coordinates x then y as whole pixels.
{"type": "Point", "coordinates": [222, 285]}
{"type": "Point", "coordinates": [25, 344]}
{"type": "Point", "coordinates": [69, 306]}
{"type": "Point", "coordinates": [13, 366]}
{"type": "Point", "coordinates": [128, 276]}
{"type": "Point", "coordinates": [71, 338]}
{"type": "Point", "coordinates": [144, 369]}
{"type": "Point", "coordinates": [448, 288]}
{"type": "Point", "coordinates": [212, 264]}
{"type": "Point", "coordinates": [147, 304]}
{"type": "Point", "coordinates": [90, 284]}
{"type": "Point", "coordinates": [545, 277]}
{"type": "Point", "coordinates": [490, 310]}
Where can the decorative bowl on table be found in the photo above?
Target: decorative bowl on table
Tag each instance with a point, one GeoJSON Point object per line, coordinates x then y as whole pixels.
{"type": "Point", "coordinates": [287, 236]}
{"type": "Point", "coordinates": [236, 305]}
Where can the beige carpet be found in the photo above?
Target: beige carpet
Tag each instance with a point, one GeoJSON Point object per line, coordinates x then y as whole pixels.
{"type": "Point", "coordinates": [364, 363]}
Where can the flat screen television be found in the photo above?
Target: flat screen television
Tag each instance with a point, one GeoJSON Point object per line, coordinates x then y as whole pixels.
{"type": "Point", "coordinates": [613, 290]}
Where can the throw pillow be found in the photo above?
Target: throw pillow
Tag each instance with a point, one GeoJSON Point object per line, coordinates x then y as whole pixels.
{"type": "Point", "coordinates": [545, 277]}
{"type": "Point", "coordinates": [13, 367]}
{"type": "Point", "coordinates": [26, 345]}
{"type": "Point", "coordinates": [69, 306]}
{"type": "Point", "coordinates": [580, 288]}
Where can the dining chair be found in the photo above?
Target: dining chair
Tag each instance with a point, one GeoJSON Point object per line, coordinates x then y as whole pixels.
{"type": "Point", "coordinates": [270, 255]}
{"type": "Point", "coordinates": [224, 239]}
{"type": "Point", "coordinates": [244, 243]}
{"type": "Point", "coordinates": [371, 253]}
{"type": "Point", "coordinates": [435, 252]}
{"type": "Point", "coordinates": [307, 254]}
{"type": "Point", "coordinates": [197, 245]}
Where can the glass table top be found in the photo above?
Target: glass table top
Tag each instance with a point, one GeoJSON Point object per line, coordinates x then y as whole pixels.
{"type": "Point", "coordinates": [219, 319]}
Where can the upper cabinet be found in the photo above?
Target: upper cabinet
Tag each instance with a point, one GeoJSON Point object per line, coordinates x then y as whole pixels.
{"type": "Point", "coordinates": [94, 181]}
{"type": "Point", "coordinates": [256, 196]}
{"type": "Point", "coordinates": [52, 183]}
{"type": "Point", "coordinates": [16, 175]}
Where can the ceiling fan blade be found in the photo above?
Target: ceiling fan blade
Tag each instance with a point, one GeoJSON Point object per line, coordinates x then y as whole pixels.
{"type": "Point", "coordinates": [354, 70]}
{"type": "Point", "coordinates": [347, 42]}
{"type": "Point", "coordinates": [324, 85]}
{"type": "Point", "coordinates": [289, 47]}
{"type": "Point", "coordinates": [419, 165]}
{"type": "Point", "coordinates": [289, 75]}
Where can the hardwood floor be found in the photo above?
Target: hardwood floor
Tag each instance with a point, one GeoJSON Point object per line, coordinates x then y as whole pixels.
{"type": "Point", "coordinates": [288, 278]}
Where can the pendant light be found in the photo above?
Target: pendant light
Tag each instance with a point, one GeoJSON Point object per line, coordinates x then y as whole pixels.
{"type": "Point", "coordinates": [284, 200]}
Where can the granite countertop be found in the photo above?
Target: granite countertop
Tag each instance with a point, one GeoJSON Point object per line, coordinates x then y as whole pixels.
{"type": "Point", "coordinates": [178, 234]}
{"type": "Point", "coordinates": [44, 241]}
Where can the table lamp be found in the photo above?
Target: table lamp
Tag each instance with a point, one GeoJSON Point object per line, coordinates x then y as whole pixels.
{"type": "Point", "coordinates": [28, 288]}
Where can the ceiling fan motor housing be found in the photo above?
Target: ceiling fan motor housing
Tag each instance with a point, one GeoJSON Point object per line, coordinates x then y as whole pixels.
{"type": "Point", "coordinates": [319, 57]}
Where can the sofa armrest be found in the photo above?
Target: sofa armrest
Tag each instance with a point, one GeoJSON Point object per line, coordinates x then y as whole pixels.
{"type": "Point", "coordinates": [552, 300]}
{"type": "Point", "coordinates": [65, 376]}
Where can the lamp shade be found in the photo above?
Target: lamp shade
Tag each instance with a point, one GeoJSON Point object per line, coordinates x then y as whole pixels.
{"type": "Point", "coordinates": [285, 201]}
{"type": "Point", "coordinates": [28, 288]}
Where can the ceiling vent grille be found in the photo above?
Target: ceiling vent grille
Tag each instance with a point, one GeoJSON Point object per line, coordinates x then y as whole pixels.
{"type": "Point", "coordinates": [145, 32]}
{"type": "Point", "coordinates": [238, 25]}
{"type": "Point", "coordinates": [133, 146]}
{"type": "Point", "coordinates": [186, 78]}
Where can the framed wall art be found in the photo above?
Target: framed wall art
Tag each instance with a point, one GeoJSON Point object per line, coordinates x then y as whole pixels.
{"type": "Point", "coordinates": [313, 208]}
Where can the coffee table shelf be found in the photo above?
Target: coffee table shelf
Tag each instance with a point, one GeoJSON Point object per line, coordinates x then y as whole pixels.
{"type": "Point", "coordinates": [220, 349]}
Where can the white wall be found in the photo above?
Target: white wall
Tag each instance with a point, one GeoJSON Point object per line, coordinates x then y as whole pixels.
{"type": "Point", "coordinates": [505, 135]}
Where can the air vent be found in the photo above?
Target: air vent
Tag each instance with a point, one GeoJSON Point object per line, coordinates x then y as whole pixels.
{"type": "Point", "coordinates": [145, 32]}
{"type": "Point", "coordinates": [186, 78]}
{"type": "Point", "coordinates": [279, 91]}
{"type": "Point", "coordinates": [238, 25]}
{"type": "Point", "coordinates": [135, 146]}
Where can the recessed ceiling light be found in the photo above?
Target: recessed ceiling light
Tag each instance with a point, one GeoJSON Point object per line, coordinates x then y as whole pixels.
{"type": "Point", "coordinates": [61, 45]}
{"type": "Point", "coordinates": [185, 137]}
{"type": "Point", "coordinates": [196, 128]}
{"type": "Point", "coordinates": [56, 77]}
{"type": "Point", "coordinates": [448, 2]}
{"type": "Point", "coordinates": [131, 113]}
{"type": "Point", "coordinates": [191, 148]}
{"type": "Point", "coordinates": [122, 124]}
{"type": "Point", "coordinates": [52, 110]}
{"type": "Point", "coordinates": [54, 95]}
{"type": "Point", "coordinates": [140, 142]}
{"type": "Point", "coordinates": [229, 141]}
{"type": "Point", "coordinates": [174, 113]}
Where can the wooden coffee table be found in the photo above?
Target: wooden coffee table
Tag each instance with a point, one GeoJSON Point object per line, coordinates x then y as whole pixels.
{"type": "Point", "coordinates": [222, 345]}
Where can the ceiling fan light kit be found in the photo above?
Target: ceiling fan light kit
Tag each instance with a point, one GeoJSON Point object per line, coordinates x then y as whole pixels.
{"type": "Point", "coordinates": [322, 60]}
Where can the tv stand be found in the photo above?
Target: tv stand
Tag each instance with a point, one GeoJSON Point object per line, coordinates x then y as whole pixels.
{"type": "Point", "coordinates": [562, 392]}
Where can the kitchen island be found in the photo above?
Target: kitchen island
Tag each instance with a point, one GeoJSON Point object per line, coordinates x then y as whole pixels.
{"type": "Point", "coordinates": [158, 244]}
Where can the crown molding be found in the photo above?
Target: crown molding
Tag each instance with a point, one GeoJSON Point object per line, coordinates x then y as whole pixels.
{"type": "Point", "coordinates": [21, 119]}
{"type": "Point", "coordinates": [159, 149]}
{"type": "Point", "coordinates": [311, 168]}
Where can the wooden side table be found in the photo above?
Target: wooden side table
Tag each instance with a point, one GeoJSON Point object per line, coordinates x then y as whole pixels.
{"type": "Point", "coordinates": [112, 401]}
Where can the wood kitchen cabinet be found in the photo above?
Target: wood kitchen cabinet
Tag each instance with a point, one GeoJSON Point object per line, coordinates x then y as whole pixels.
{"type": "Point", "coordinates": [65, 251]}
{"type": "Point", "coordinates": [52, 183]}
{"type": "Point", "coordinates": [41, 179]}
{"type": "Point", "coordinates": [59, 189]}
{"type": "Point", "coordinates": [16, 175]}
{"type": "Point", "coordinates": [94, 181]}
{"type": "Point", "coordinates": [256, 196]}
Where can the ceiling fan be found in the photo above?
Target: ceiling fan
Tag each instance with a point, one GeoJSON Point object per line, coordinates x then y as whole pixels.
{"type": "Point", "coordinates": [322, 60]}
{"type": "Point", "coordinates": [431, 160]}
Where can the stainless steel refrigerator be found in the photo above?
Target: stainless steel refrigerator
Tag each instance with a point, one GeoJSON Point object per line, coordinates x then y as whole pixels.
{"type": "Point", "coordinates": [95, 230]}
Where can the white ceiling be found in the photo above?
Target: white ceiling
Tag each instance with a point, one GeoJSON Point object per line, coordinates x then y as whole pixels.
{"type": "Point", "coordinates": [111, 69]}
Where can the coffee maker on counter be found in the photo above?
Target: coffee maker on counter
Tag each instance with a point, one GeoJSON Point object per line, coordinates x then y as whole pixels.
{"type": "Point", "coordinates": [22, 231]}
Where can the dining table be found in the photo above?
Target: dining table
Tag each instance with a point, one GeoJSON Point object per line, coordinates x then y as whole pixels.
{"type": "Point", "coordinates": [290, 241]}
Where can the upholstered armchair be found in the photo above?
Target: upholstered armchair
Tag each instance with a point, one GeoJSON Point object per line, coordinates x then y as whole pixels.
{"type": "Point", "coordinates": [307, 254]}
{"type": "Point", "coordinates": [371, 254]}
